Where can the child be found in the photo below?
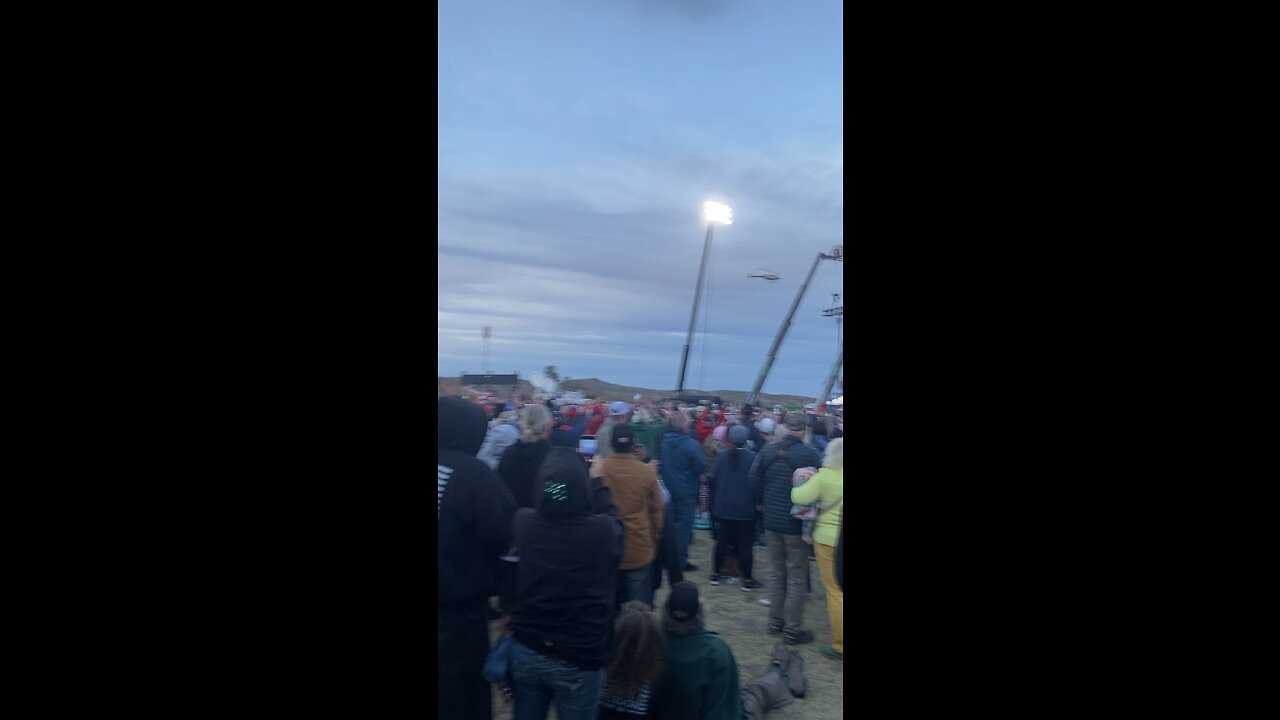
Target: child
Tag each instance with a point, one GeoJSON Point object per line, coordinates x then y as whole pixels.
{"type": "Point", "coordinates": [806, 513]}
{"type": "Point", "coordinates": [639, 650]}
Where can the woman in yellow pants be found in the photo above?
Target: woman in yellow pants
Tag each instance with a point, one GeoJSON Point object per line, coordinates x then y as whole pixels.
{"type": "Point", "coordinates": [827, 488]}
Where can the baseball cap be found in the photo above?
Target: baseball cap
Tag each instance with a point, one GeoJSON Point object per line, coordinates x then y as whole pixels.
{"type": "Point", "coordinates": [737, 434]}
{"type": "Point", "coordinates": [683, 602]}
{"type": "Point", "coordinates": [623, 438]}
{"type": "Point", "coordinates": [618, 408]}
{"type": "Point", "coordinates": [766, 426]}
{"type": "Point", "coordinates": [797, 421]}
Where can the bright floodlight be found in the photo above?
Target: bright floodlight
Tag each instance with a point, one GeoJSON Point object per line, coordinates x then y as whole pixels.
{"type": "Point", "coordinates": [717, 213]}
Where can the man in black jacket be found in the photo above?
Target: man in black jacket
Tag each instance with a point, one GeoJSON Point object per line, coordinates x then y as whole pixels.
{"type": "Point", "coordinates": [788, 553]}
{"type": "Point", "coordinates": [562, 621]}
{"type": "Point", "coordinates": [474, 510]}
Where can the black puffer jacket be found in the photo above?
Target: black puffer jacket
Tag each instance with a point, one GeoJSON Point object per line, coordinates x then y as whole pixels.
{"type": "Point", "coordinates": [771, 480]}
{"type": "Point", "coordinates": [474, 508]}
{"type": "Point", "coordinates": [519, 466]}
{"type": "Point", "coordinates": [567, 579]}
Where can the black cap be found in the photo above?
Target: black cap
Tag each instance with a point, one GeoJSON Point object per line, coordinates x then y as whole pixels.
{"type": "Point", "coordinates": [623, 439]}
{"type": "Point", "coordinates": [747, 410]}
{"type": "Point", "coordinates": [683, 602]}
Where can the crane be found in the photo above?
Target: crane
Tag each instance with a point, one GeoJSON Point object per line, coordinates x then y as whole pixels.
{"type": "Point", "coordinates": [837, 254]}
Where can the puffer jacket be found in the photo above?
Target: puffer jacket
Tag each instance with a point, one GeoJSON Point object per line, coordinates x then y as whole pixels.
{"type": "Point", "coordinates": [771, 481]}
{"type": "Point", "coordinates": [682, 461]}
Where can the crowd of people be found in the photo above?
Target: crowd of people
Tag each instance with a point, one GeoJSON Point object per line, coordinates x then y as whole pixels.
{"type": "Point", "coordinates": [574, 551]}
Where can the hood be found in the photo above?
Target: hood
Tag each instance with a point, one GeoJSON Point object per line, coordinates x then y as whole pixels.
{"type": "Point", "coordinates": [673, 438]}
{"type": "Point", "coordinates": [560, 488]}
{"type": "Point", "coordinates": [530, 451]}
{"type": "Point", "coordinates": [462, 425]}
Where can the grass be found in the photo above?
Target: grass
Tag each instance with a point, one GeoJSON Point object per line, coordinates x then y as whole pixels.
{"type": "Point", "coordinates": [743, 623]}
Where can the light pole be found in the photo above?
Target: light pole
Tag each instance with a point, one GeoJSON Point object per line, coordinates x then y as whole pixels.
{"type": "Point", "coordinates": [714, 213]}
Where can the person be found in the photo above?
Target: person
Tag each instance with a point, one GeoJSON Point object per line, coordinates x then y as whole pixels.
{"type": "Point", "coordinates": [519, 464]}
{"type": "Point", "coordinates": [820, 434]}
{"type": "Point", "coordinates": [788, 553]}
{"type": "Point", "coordinates": [700, 680]}
{"type": "Point", "coordinates": [596, 418]}
{"type": "Point", "coordinates": [765, 428]}
{"type": "Point", "coordinates": [571, 427]}
{"type": "Point", "coordinates": [639, 651]}
{"type": "Point", "coordinates": [634, 488]}
{"type": "Point", "coordinates": [502, 435]}
{"type": "Point", "coordinates": [474, 511]}
{"type": "Point", "coordinates": [667, 558]}
{"type": "Point", "coordinates": [681, 462]}
{"type": "Point", "coordinates": [604, 447]}
{"type": "Point", "coordinates": [562, 618]}
{"type": "Point", "coordinates": [733, 507]}
{"type": "Point", "coordinates": [755, 438]}
{"type": "Point", "coordinates": [840, 555]}
{"type": "Point", "coordinates": [710, 448]}
{"type": "Point", "coordinates": [827, 489]}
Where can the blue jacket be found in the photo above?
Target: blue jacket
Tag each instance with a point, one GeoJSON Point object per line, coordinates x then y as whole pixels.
{"type": "Point", "coordinates": [731, 488]}
{"type": "Point", "coordinates": [682, 462]}
{"type": "Point", "coordinates": [568, 431]}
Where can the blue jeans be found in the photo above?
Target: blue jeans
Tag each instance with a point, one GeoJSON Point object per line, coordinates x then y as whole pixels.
{"type": "Point", "coordinates": [635, 585]}
{"type": "Point", "coordinates": [539, 679]}
{"type": "Point", "coordinates": [680, 512]}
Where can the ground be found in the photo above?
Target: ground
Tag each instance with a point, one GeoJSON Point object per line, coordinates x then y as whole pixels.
{"type": "Point", "coordinates": [743, 623]}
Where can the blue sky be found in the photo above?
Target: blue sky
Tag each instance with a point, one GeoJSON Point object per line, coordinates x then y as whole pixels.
{"type": "Point", "coordinates": [577, 143]}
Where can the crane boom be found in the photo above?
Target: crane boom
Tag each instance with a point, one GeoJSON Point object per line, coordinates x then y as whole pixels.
{"type": "Point", "coordinates": [782, 331]}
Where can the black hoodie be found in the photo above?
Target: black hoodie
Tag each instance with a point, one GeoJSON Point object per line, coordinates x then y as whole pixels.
{"type": "Point", "coordinates": [474, 508]}
{"type": "Point", "coordinates": [518, 467]}
{"type": "Point", "coordinates": [569, 557]}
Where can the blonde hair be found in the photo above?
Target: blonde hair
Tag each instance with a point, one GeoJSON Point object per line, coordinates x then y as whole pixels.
{"type": "Point", "coordinates": [835, 454]}
{"type": "Point", "coordinates": [534, 420]}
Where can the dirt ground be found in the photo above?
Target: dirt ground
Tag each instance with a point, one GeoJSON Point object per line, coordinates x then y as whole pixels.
{"type": "Point", "coordinates": [743, 623]}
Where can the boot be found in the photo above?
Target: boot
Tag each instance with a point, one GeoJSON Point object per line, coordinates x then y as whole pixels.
{"type": "Point", "coordinates": [790, 664]}
{"type": "Point", "coordinates": [765, 693]}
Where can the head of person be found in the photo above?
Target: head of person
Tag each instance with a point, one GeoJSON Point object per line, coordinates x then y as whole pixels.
{"type": "Point", "coordinates": [639, 647]}
{"type": "Point", "coordinates": [766, 426]}
{"type": "Point", "coordinates": [683, 613]}
{"type": "Point", "coordinates": [679, 422]}
{"type": "Point", "coordinates": [535, 423]}
{"type": "Point", "coordinates": [462, 425]}
{"type": "Point", "coordinates": [796, 424]}
{"type": "Point", "coordinates": [623, 440]}
{"type": "Point", "coordinates": [819, 426]}
{"type": "Point", "coordinates": [834, 456]}
{"type": "Point", "coordinates": [718, 434]}
{"type": "Point", "coordinates": [618, 411]}
{"type": "Point", "coordinates": [738, 436]}
{"type": "Point", "coordinates": [562, 485]}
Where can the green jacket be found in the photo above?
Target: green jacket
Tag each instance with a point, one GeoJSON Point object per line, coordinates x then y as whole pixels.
{"type": "Point", "coordinates": [700, 681]}
{"type": "Point", "coordinates": [647, 434]}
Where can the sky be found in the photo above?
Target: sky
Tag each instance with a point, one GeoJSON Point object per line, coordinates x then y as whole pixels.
{"type": "Point", "coordinates": [577, 143]}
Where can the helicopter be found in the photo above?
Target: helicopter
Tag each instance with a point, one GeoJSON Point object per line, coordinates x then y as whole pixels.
{"type": "Point", "coordinates": [767, 275]}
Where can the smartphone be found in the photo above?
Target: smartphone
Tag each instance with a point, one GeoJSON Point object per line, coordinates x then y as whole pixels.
{"type": "Point", "coordinates": [587, 447]}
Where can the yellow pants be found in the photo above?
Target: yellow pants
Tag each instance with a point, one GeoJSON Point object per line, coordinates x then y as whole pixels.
{"type": "Point", "coordinates": [835, 596]}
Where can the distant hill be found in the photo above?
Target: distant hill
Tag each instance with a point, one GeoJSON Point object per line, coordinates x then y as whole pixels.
{"type": "Point", "coordinates": [592, 387]}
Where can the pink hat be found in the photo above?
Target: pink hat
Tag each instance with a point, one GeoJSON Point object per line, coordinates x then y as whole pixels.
{"type": "Point", "coordinates": [719, 432]}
